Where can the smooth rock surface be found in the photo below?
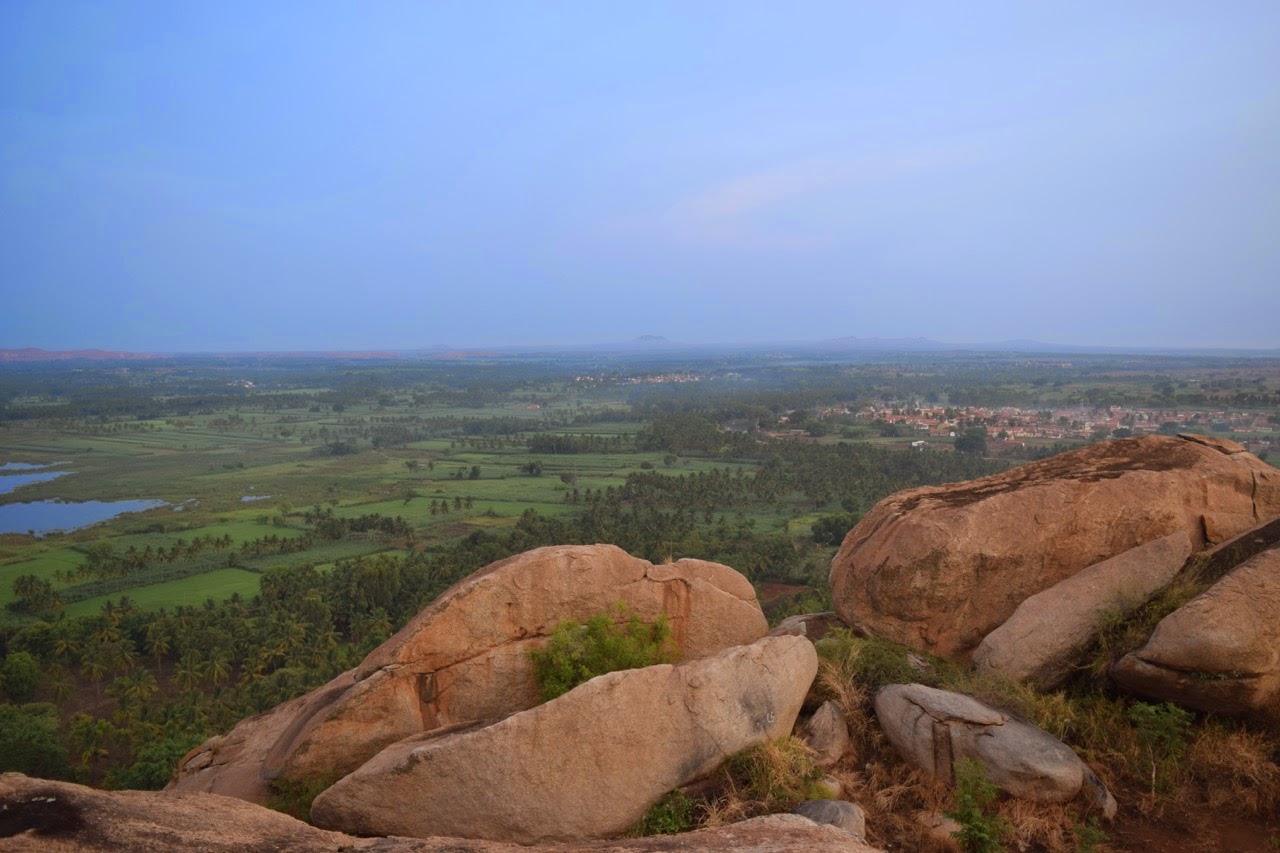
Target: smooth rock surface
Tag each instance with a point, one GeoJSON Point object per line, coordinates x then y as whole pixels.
{"type": "Point", "coordinates": [933, 729]}
{"type": "Point", "coordinates": [940, 567]}
{"type": "Point", "coordinates": [465, 658]}
{"type": "Point", "coordinates": [585, 765]}
{"type": "Point", "coordinates": [1043, 639]}
{"type": "Point", "coordinates": [827, 734]}
{"type": "Point", "coordinates": [1219, 652]}
{"type": "Point", "coordinates": [37, 816]}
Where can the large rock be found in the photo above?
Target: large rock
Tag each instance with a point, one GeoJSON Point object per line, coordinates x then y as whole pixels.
{"type": "Point", "coordinates": [1043, 639]}
{"type": "Point", "coordinates": [585, 765]}
{"type": "Point", "coordinates": [940, 567]}
{"type": "Point", "coordinates": [1219, 652]}
{"type": "Point", "coordinates": [38, 816]}
{"type": "Point", "coordinates": [933, 729]}
{"type": "Point", "coordinates": [465, 658]}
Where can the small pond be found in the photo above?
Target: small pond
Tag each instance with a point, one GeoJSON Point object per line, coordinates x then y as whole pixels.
{"type": "Point", "coordinates": [9, 482]}
{"type": "Point", "coordinates": [48, 516]}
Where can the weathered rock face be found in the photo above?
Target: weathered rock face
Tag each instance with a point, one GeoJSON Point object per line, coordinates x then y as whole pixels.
{"type": "Point", "coordinates": [465, 658]}
{"type": "Point", "coordinates": [941, 567]}
{"type": "Point", "coordinates": [933, 729]}
{"type": "Point", "coordinates": [37, 816]}
{"type": "Point", "coordinates": [585, 765]}
{"type": "Point", "coordinates": [1219, 652]}
{"type": "Point", "coordinates": [1044, 637]}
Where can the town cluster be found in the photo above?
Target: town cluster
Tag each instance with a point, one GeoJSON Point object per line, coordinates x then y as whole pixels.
{"type": "Point", "coordinates": [1010, 423]}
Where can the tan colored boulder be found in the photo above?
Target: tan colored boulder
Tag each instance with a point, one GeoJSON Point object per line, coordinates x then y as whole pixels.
{"type": "Point", "coordinates": [38, 816]}
{"type": "Point", "coordinates": [585, 765]}
{"type": "Point", "coordinates": [1219, 652]}
{"type": "Point", "coordinates": [940, 567]}
{"type": "Point", "coordinates": [1043, 639]}
{"type": "Point", "coordinates": [466, 658]}
{"type": "Point", "coordinates": [933, 729]}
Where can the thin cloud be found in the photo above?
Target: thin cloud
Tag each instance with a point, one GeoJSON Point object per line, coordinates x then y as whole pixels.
{"type": "Point", "coordinates": [730, 213]}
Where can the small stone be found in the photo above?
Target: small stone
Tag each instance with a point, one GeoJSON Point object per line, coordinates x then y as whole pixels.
{"type": "Point", "coordinates": [838, 813]}
{"type": "Point", "coordinates": [827, 734]}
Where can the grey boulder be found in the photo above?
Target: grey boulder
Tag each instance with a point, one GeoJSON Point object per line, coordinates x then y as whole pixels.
{"type": "Point", "coordinates": [933, 729]}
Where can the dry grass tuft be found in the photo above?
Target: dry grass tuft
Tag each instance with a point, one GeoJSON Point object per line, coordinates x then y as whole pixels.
{"type": "Point", "coordinates": [1234, 769]}
{"type": "Point", "coordinates": [1044, 826]}
{"type": "Point", "coordinates": [730, 807]}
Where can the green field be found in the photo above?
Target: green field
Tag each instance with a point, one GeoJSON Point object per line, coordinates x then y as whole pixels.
{"type": "Point", "coordinates": [405, 441]}
{"type": "Point", "coordinates": [218, 585]}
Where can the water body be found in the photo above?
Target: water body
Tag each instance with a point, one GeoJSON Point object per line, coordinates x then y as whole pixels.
{"type": "Point", "coordinates": [50, 516]}
{"type": "Point", "coordinates": [9, 482]}
{"type": "Point", "coordinates": [27, 466]}
{"type": "Point", "coordinates": [251, 498]}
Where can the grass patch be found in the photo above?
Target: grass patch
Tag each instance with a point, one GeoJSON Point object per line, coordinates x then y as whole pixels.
{"type": "Point", "coordinates": [219, 585]}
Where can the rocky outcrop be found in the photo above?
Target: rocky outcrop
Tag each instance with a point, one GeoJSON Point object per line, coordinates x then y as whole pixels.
{"type": "Point", "coordinates": [1219, 652]}
{"type": "Point", "coordinates": [1043, 639]}
{"type": "Point", "coordinates": [465, 658]}
{"type": "Point", "coordinates": [940, 567]}
{"type": "Point", "coordinates": [38, 816]}
{"type": "Point", "coordinates": [585, 765]}
{"type": "Point", "coordinates": [933, 729]}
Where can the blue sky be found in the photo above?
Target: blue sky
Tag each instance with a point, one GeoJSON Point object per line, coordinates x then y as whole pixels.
{"type": "Point", "coordinates": [256, 176]}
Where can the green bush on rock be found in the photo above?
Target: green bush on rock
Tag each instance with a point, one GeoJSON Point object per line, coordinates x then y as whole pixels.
{"type": "Point", "coordinates": [577, 653]}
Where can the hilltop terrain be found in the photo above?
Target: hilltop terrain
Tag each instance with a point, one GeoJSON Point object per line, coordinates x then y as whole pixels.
{"type": "Point", "coordinates": [316, 510]}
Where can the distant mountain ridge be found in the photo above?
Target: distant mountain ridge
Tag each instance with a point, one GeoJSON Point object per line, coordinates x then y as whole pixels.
{"type": "Point", "coordinates": [37, 354]}
{"type": "Point", "coordinates": [650, 344]}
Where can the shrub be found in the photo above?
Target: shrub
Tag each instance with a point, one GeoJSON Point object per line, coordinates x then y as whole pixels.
{"type": "Point", "coordinates": [1162, 734]}
{"type": "Point", "coordinates": [21, 675]}
{"type": "Point", "coordinates": [670, 815]}
{"type": "Point", "coordinates": [577, 653]}
{"type": "Point", "coordinates": [154, 764]}
{"type": "Point", "coordinates": [29, 742]}
{"type": "Point", "coordinates": [981, 830]}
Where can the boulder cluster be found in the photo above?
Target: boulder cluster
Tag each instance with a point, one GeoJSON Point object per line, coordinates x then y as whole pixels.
{"type": "Point", "coordinates": [438, 741]}
{"type": "Point", "coordinates": [1016, 573]}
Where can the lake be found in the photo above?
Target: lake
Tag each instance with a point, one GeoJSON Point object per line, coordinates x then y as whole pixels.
{"type": "Point", "coordinates": [49, 516]}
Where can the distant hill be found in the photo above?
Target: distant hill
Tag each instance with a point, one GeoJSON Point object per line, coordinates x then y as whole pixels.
{"type": "Point", "coordinates": [36, 354]}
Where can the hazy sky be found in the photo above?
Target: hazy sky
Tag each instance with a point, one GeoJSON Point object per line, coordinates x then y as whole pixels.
{"type": "Point", "coordinates": [219, 175]}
